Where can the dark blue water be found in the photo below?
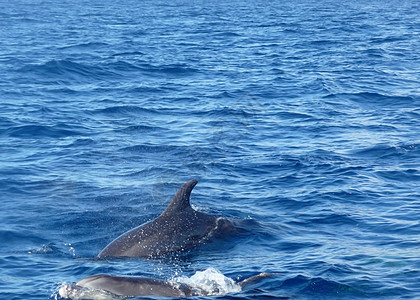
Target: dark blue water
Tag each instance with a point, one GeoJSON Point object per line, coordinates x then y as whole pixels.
{"type": "Point", "coordinates": [300, 119]}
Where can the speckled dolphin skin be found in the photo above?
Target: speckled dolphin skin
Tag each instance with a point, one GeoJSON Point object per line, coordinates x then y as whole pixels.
{"type": "Point", "coordinates": [134, 286]}
{"type": "Point", "coordinates": [94, 287]}
{"type": "Point", "coordinates": [178, 228]}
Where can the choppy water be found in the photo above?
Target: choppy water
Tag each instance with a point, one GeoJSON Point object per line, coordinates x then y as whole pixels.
{"type": "Point", "coordinates": [301, 119]}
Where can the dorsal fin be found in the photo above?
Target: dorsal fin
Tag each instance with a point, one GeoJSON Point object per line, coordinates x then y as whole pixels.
{"type": "Point", "coordinates": [255, 278]}
{"type": "Point", "coordinates": [181, 201]}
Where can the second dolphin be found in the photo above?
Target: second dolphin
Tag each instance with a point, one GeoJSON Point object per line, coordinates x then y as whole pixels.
{"type": "Point", "coordinates": [178, 228]}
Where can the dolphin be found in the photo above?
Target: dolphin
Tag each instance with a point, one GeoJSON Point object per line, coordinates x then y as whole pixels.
{"type": "Point", "coordinates": [104, 286]}
{"type": "Point", "coordinates": [178, 228]}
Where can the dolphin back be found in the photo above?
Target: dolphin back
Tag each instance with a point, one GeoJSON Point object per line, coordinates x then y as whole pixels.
{"type": "Point", "coordinates": [178, 228]}
{"type": "Point", "coordinates": [133, 286]}
{"type": "Point", "coordinates": [104, 286]}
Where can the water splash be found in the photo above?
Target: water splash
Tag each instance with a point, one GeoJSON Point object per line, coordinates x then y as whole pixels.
{"type": "Point", "coordinates": [71, 249]}
{"type": "Point", "coordinates": [209, 282]}
{"type": "Point", "coordinates": [44, 249]}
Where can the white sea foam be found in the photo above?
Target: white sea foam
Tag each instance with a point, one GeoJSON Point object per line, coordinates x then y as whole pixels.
{"type": "Point", "coordinates": [209, 282]}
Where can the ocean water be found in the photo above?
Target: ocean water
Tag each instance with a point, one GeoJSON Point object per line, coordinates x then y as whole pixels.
{"type": "Point", "coordinates": [300, 119]}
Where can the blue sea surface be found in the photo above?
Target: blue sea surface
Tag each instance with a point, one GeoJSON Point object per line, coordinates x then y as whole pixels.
{"type": "Point", "coordinates": [301, 119]}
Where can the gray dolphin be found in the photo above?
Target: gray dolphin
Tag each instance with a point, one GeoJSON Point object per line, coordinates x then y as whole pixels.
{"type": "Point", "coordinates": [178, 228]}
{"type": "Point", "coordinates": [110, 286]}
